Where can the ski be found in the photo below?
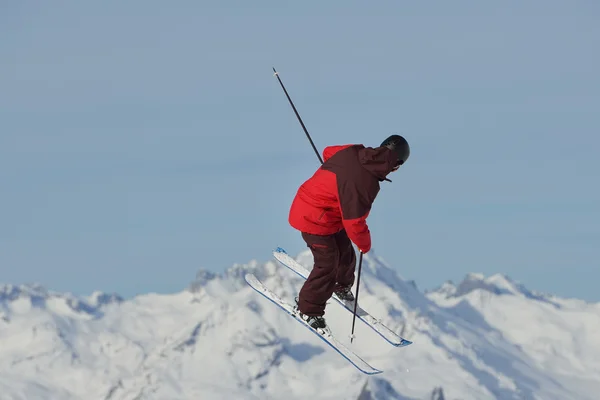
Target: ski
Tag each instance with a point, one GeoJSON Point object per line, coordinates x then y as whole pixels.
{"type": "Point", "coordinates": [325, 335]}
{"type": "Point", "coordinates": [390, 336]}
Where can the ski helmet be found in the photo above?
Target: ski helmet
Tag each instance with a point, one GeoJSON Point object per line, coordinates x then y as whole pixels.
{"type": "Point", "coordinates": [398, 144]}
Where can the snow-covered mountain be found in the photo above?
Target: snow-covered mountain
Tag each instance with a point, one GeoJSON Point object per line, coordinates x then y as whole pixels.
{"type": "Point", "coordinates": [484, 338]}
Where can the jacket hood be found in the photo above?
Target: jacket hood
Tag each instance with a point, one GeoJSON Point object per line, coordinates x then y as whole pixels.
{"type": "Point", "coordinates": [379, 161]}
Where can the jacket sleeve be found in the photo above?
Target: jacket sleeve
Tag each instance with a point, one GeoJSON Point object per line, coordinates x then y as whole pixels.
{"type": "Point", "coordinates": [355, 206]}
{"type": "Point", "coordinates": [358, 232]}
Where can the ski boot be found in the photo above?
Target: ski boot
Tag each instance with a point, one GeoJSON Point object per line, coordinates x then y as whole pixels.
{"type": "Point", "coordinates": [345, 294]}
{"type": "Point", "coordinates": [316, 322]}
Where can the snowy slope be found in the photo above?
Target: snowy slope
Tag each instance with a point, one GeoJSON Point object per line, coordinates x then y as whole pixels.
{"type": "Point", "coordinates": [558, 336]}
{"type": "Point", "coordinates": [485, 338]}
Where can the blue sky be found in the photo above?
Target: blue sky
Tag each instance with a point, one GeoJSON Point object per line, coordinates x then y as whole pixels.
{"type": "Point", "coordinates": [142, 141]}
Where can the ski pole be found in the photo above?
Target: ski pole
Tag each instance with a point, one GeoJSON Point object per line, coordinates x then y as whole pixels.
{"type": "Point", "coordinates": [356, 299]}
{"type": "Point", "coordinates": [321, 160]}
{"type": "Point", "coordinates": [297, 115]}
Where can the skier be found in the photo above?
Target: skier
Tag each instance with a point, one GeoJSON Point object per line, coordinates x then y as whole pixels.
{"type": "Point", "coordinates": [330, 210]}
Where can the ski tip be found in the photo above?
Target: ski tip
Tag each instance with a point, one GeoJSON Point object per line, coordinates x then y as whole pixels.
{"type": "Point", "coordinates": [370, 370]}
{"type": "Point", "coordinates": [280, 250]}
{"type": "Point", "coordinates": [403, 343]}
{"type": "Point", "coordinates": [250, 278]}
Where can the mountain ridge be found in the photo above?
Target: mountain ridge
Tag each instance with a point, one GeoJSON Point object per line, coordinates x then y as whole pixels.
{"type": "Point", "coordinates": [219, 339]}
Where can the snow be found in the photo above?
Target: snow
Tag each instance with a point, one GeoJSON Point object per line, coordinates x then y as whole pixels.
{"type": "Point", "coordinates": [483, 338]}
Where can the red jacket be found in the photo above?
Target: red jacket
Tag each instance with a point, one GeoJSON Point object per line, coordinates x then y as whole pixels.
{"type": "Point", "coordinates": [341, 192]}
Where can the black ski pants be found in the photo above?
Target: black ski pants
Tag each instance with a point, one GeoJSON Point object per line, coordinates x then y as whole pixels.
{"type": "Point", "coordinates": [334, 265]}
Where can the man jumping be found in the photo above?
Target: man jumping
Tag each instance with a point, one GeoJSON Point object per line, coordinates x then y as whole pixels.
{"type": "Point", "coordinates": [330, 210]}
